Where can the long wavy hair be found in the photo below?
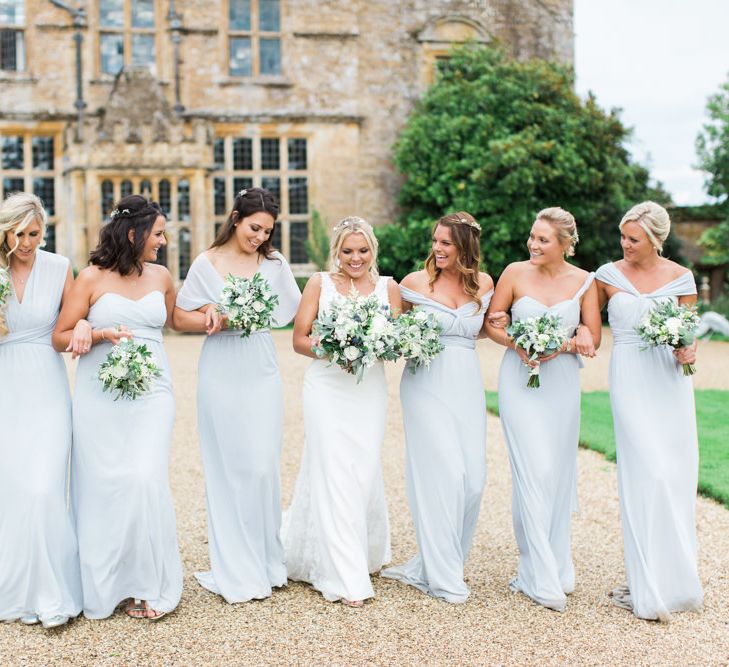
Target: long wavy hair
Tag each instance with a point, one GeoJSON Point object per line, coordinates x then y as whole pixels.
{"type": "Point", "coordinates": [18, 212]}
{"type": "Point", "coordinates": [115, 251]}
{"type": "Point", "coordinates": [247, 202]}
{"type": "Point", "coordinates": [465, 234]}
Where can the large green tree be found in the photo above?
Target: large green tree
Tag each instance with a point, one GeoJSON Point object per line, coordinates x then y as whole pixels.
{"type": "Point", "coordinates": [503, 139]}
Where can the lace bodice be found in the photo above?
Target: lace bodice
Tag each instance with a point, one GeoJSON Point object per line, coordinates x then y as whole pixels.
{"type": "Point", "coordinates": [329, 291]}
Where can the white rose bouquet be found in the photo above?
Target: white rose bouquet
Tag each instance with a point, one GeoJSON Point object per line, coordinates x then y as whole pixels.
{"type": "Point", "coordinates": [667, 323]}
{"type": "Point", "coordinates": [248, 303]}
{"type": "Point", "coordinates": [418, 338]}
{"type": "Point", "coordinates": [128, 370]}
{"type": "Point", "coordinates": [354, 333]}
{"type": "Point", "coordinates": [538, 337]}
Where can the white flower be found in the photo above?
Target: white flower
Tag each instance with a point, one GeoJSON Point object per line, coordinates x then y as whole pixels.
{"type": "Point", "coordinates": [351, 353]}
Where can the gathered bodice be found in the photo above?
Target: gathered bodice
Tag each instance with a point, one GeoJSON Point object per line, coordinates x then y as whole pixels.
{"type": "Point", "coordinates": [568, 310]}
{"type": "Point", "coordinates": [330, 293]}
{"type": "Point", "coordinates": [459, 326]}
{"type": "Point", "coordinates": [204, 284]}
{"type": "Point", "coordinates": [33, 319]}
{"type": "Point", "coordinates": [145, 317]}
{"type": "Point", "coordinates": [628, 306]}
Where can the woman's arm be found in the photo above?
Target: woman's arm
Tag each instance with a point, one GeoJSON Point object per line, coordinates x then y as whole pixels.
{"type": "Point", "coordinates": [80, 341]}
{"type": "Point", "coordinates": [499, 307]}
{"type": "Point", "coordinates": [394, 297]}
{"type": "Point", "coordinates": [305, 316]}
{"type": "Point", "coordinates": [687, 355]}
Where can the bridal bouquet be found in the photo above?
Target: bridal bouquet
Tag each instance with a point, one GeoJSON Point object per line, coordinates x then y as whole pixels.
{"type": "Point", "coordinates": [248, 303]}
{"type": "Point", "coordinates": [418, 338]}
{"type": "Point", "coordinates": [355, 332]}
{"type": "Point", "coordinates": [6, 287]}
{"type": "Point", "coordinates": [128, 370]}
{"type": "Point", "coordinates": [667, 323]}
{"type": "Point", "coordinates": [538, 337]}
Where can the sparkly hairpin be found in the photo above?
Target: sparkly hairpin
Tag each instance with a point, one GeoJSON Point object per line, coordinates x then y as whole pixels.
{"type": "Point", "coordinates": [471, 223]}
{"type": "Point", "coordinates": [243, 193]}
{"type": "Point", "coordinates": [116, 212]}
{"type": "Point", "coordinates": [347, 222]}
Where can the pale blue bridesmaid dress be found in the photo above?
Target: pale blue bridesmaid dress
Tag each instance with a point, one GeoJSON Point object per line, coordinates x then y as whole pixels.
{"type": "Point", "coordinates": [240, 422]}
{"type": "Point", "coordinates": [542, 430]}
{"type": "Point", "coordinates": [444, 415]}
{"type": "Point", "coordinates": [39, 571]}
{"type": "Point", "coordinates": [125, 518]}
{"type": "Point", "coordinates": [658, 458]}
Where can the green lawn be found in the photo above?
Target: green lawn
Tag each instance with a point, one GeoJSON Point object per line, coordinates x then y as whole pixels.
{"type": "Point", "coordinates": [712, 412]}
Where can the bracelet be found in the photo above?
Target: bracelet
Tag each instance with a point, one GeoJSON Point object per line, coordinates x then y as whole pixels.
{"type": "Point", "coordinates": [103, 336]}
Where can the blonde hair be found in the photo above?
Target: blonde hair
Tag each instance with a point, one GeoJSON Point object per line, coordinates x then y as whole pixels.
{"type": "Point", "coordinates": [352, 225]}
{"type": "Point", "coordinates": [465, 234]}
{"type": "Point", "coordinates": [17, 212]}
{"type": "Point", "coordinates": [564, 224]}
{"type": "Point", "coordinates": [653, 219]}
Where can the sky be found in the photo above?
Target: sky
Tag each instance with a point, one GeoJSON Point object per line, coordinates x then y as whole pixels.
{"type": "Point", "coordinates": [657, 60]}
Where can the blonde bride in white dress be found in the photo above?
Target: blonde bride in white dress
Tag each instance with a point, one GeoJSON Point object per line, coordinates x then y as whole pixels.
{"type": "Point", "coordinates": [336, 531]}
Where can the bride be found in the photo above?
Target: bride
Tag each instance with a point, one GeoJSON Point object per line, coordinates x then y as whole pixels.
{"type": "Point", "coordinates": [336, 531]}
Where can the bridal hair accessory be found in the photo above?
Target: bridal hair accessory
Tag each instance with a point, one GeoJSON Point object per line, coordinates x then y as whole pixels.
{"type": "Point", "coordinates": [346, 223]}
{"type": "Point", "coordinates": [243, 193]}
{"type": "Point", "coordinates": [116, 212]}
{"type": "Point", "coordinates": [471, 223]}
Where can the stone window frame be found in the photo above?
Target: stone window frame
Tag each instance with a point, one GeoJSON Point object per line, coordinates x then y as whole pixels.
{"type": "Point", "coordinates": [148, 184]}
{"type": "Point", "coordinates": [255, 35]}
{"type": "Point", "coordinates": [19, 29]}
{"type": "Point", "coordinates": [127, 31]}
{"type": "Point", "coordinates": [256, 176]}
{"type": "Point", "coordinates": [28, 173]}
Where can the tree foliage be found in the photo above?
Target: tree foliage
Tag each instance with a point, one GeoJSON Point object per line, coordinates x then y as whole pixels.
{"type": "Point", "coordinates": [712, 144]}
{"type": "Point", "coordinates": [503, 139]}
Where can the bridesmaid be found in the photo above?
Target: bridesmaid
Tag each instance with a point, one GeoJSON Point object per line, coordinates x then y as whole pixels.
{"type": "Point", "coordinates": [542, 426]}
{"type": "Point", "coordinates": [119, 478]}
{"type": "Point", "coordinates": [240, 440]}
{"type": "Point", "coordinates": [336, 531]}
{"type": "Point", "coordinates": [444, 412]}
{"type": "Point", "coordinates": [39, 577]}
{"type": "Point", "coordinates": [655, 424]}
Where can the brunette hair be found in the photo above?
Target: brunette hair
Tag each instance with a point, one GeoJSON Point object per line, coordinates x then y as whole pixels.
{"type": "Point", "coordinates": [247, 202]}
{"type": "Point", "coordinates": [465, 233]}
{"type": "Point", "coordinates": [116, 251]}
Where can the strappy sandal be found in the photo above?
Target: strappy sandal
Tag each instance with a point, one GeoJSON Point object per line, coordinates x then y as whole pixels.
{"type": "Point", "coordinates": [134, 608]}
{"type": "Point", "coordinates": [354, 604]}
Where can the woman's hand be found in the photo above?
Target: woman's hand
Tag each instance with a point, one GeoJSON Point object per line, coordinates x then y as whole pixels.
{"type": "Point", "coordinates": [584, 342]}
{"type": "Point", "coordinates": [686, 355]}
{"type": "Point", "coordinates": [532, 363]}
{"type": "Point", "coordinates": [81, 339]}
{"type": "Point", "coordinates": [215, 321]}
{"type": "Point", "coordinates": [114, 335]}
{"type": "Point", "coordinates": [499, 319]}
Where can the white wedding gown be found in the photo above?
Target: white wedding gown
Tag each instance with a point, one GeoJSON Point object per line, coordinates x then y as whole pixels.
{"type": "Point", "coordinates": [125, 518]}
{"type": "Point", "coordinates": [39, 572]}
{"type": "Point", "coordinates": [336, 531]}
{"type": "Point", "coordinates": [658, 456]}
{"type": "Point", "coordinates": [240, 421]}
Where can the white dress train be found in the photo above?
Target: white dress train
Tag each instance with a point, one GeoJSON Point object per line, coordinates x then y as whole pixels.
{"type": "Point", "coordinates": [542, 430]}
{"type": "Point", "coordinates": [39, 571]}
{"type": "Point", "coordinates": [336, 531]}
{"type": "Point", "coordinates": [657, 451]}
{"type": "Point", "coordinates": [240, 422]}
{"type": "Point", "coordinates": [125, 518]}
{"type": "Point", "coordinates": [444, 415]}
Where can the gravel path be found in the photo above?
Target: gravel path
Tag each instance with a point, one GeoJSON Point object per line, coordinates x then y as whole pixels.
{"type": "Point", "coordinates": [402, 626]}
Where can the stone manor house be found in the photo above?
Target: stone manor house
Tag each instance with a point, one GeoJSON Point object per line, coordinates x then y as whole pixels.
{"type": "Point", "coordinates": [188, 101]}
